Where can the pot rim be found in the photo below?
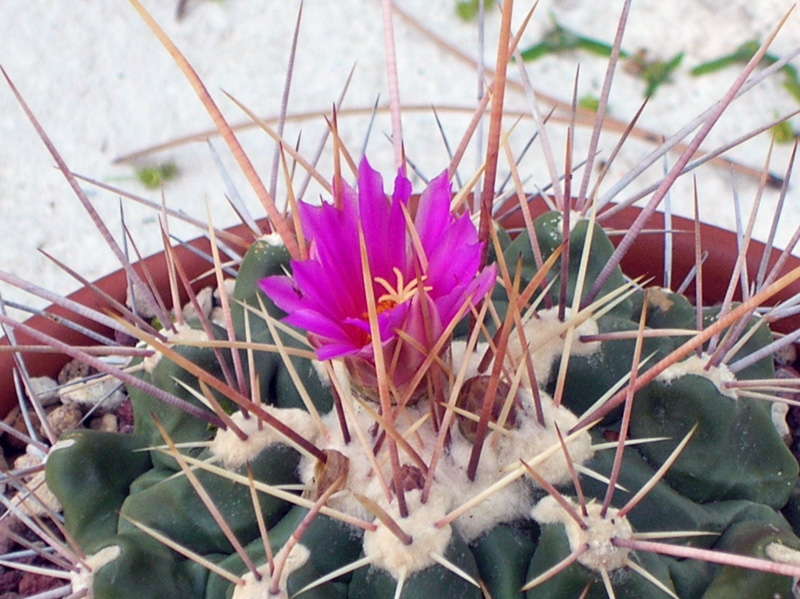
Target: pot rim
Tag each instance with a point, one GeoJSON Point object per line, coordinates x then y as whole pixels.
{"type": "Point", "coordinates": [721, 244]}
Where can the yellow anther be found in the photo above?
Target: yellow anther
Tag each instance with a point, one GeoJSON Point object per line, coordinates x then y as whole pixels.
{"type": "Point", "coordinates": [400, 293]}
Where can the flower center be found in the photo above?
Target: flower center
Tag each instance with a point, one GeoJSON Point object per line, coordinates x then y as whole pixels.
{"type": "Point", "coordinates": [400, 293]}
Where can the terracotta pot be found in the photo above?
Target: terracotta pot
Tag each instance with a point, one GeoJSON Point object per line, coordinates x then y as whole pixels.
{"type": "Point", "coordinates": [646, 256]}
{"type": "Point", "coordinates": [115, 285]}
{"type": "Point", "coordinates": [644, 259]}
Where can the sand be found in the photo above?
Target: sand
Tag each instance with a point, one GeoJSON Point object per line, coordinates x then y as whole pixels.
{"type": "Point", "coordinates": [102, 86]}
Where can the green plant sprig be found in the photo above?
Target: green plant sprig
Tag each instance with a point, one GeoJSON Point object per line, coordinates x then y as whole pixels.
{"type": "Point", "coordinates": [654, 72]}
{"type": "Point", "coordinates": [468, 10]}
{"type": "Point", "coordinates": [561, 39]}
{"type": "Point", "coordinates": [741, 55]}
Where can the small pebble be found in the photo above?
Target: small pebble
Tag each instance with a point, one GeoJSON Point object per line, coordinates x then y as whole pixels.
{"type": "Point", "coordinates": [138, 305]}
{"type": "Point", "coordinates": [9, 582]}
{"type": "Point", "coordinates": [74, 369]}
{"type": "Point", "coordinates": [9, 524]}
{"type": "Point", "coordinates": [90, 393]}
{"type": "Point", "coordinates": [3, 468]}
{"type": "Point", "coordinates": [38, 500]}
{"type": "Point", "coordinates": [105, 422]}
{"type": "Point", "coordinates": [44, 388]}
{"type": "Point", "coordinates": [786, 356]}
{"type": "Point", "coordinates": [125, 417]}
{"type": "Point", "coordinates": [20, 425]}
{"type": "Point", "coordinates": [64, 418]}
{"type": "Point", "coordinates": [779, 413]}
{"type": "Point", "coordinates": [35, 484]}
{"type": "Point", "coordinates": [35, 584]}
{"type": "Point", "coordinates": [27, 460]}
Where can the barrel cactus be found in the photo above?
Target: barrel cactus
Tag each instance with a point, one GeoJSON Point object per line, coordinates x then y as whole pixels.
{"type": "Point", "coordinates": [399, 449]}
{"type": "Point", "coordinates": [406, 398]}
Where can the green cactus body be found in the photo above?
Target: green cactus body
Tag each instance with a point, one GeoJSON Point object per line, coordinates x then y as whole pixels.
{"type": "Point", "coordinates": [554, 546]}
{"type": "Point", "coordinates": [736, 452]}
{"type": "Point", "coordinates": [757, 335]}
{"type": "Point", "coordinates": [666, 310]}
{"type": "Point", "coordinates": [757, 539]}
{"type": "Point", "coordinates": [503, 555]}
{"type": "Point", "coordinates": [331, 544]}
{"type": "Point", "coordinates": [721, 493]}
{"type": "Point", "coordinates": [590, 376]}
{"type": "Point", "coordinates": [141, 566]}
{"type": "Point", "coordinates": [91, 472]}
{"type": "Point", "coordinates": [173, 506]}
{"type": "Point", "coordinates": [263, 259]}
{"type": "Point", "coordinates": [166, 375]}
{"type": "Point", "coordinates": [549, 235]}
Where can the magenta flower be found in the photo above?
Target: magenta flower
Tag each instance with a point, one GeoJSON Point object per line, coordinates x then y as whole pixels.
{"type": "Point", "coordinates": [326, 294]}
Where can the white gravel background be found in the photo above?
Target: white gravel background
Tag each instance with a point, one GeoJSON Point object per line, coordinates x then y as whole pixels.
{"type": "Point", "coordinates": [102, 86]}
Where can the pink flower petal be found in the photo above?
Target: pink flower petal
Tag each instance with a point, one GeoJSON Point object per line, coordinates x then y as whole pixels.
{"type": "Point", "coordinates": [433, 213]}
{"type": "Point", "coordinates": [283, 292]}
{"type": "Point", "coordinates": [383, 224]}
{"type": "Point", "coordinates": [326, 294]}
{"type": "Point", "coordinates": [455, 259]}
{"type": "Point", "coordinates": [449, 305]}
{"type": "Point", "coordinates": [319, 324]}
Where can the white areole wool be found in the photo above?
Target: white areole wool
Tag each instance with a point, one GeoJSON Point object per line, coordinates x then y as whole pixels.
{"type": "Point", "coordinates": [501, 456]}
{"type": "Point", "coordinates": [602, 554]}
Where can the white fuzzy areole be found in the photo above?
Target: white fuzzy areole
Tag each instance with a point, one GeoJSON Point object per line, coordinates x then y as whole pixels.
{"type": "Point", "coordinates": [602, 553]}
{"type": "Point", "coordinates": [501, 453]}
{"type": "Point", "coordinates": [458, 350]}
{"type": "Point", "coordinates": [360, 476]}
{"type": "Point", "coordinates": [183, 335]}
{"type": "Point", "coordinates": [61, 444]}
{"type": "Point", "coordinates": [574, 219]}
{"type": "Point", "coordinates": [83, 577]}
{"type": "Point", "coordinates": [501, 450]}
{"type": "Point", "coordinates": [250, 588]}
{"type": "Point", "coordinates": [322, 372]}
{"type": "Point", "coordinates": [545, 337]}
{"type": "Point", "coordinates": [531, 439]}
{"type": "Point", "coordinates": [778, 413]}
{"type": "Point", "coordinates": [782, 554]}
{"type": "Point", "coordinates": [390, 554]}
{"type": "Point", "coordinates": [273, 240]}
{"type": "Point", "coordinates": [695, 364]}
{"type": "Point", "coordinates": [235, 453]}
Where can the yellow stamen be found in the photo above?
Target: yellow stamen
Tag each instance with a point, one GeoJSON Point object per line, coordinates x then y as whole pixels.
{"type": "Point", "coordinates": [400, 293]}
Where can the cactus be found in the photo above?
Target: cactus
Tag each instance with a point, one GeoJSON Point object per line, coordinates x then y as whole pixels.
{"type": "Point", "coordinates": [732, 476]}
{"type": "Point", "coordinates": [403, 401]}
